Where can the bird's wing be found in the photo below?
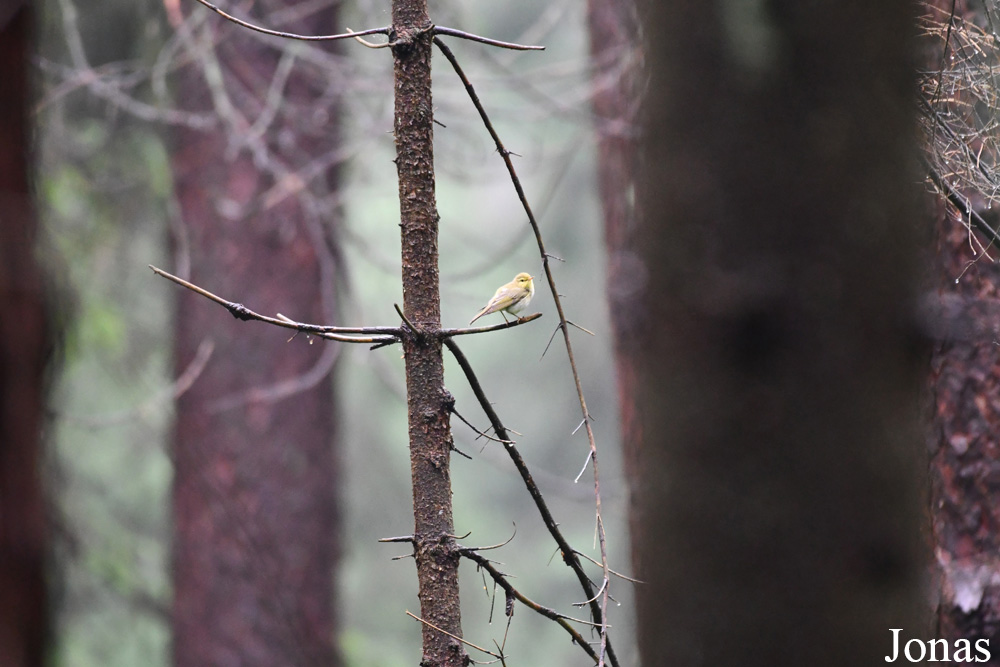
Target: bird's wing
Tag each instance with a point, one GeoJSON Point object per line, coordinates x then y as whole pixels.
{"type": "Point", "coordinates": [502, 299]}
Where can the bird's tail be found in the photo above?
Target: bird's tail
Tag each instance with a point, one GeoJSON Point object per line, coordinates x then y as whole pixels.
{"type": "Point", "coordinates": [478, 315]}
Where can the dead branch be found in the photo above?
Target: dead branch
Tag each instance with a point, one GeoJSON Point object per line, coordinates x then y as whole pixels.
{"type": "Point", "coordinates": [386, 335]}
{"type": "Point", "coordinates": [568, 553]}
{"type": "Point", "coordinates": [484, 563]}
{"type": "Point", "coordinates": [600, 614]}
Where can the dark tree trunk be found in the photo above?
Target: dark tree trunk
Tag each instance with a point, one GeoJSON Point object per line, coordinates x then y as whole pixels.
{"type": "Point", "coordinates": [254, 494]}
{"type": "Point", "coordinates": [23, 342]}
{"type": "Point", "coordinates": [427, 404]}
{"type": "Point", "coordinates": [779, 400]}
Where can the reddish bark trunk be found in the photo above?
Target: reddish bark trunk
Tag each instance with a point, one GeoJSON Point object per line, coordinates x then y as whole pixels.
{"type": "Point", "coordinates": [23, 343]}
{"type": "Point", "coordinates": [614, 48]}
{"type": "Point", "coordinates": [963, 440]}
{"type": "Point", "coordinates": [427, 399]}
{"type": "Point", "coordinates": [254, 494]}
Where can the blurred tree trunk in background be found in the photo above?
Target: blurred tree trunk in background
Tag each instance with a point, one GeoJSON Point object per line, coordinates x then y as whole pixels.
{"type": "Point", "coordinates": [964, 442]}
{"type": "Point", "coordinates": [23, 345]}
{"type": "Point", "coordinates": [779, 391]}
{"type": "Point", "coordinates": [615, 61]}
{"type": "Point", "coordinates": [254, 495]}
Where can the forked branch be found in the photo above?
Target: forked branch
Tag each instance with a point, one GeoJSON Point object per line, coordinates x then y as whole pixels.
{"type": "Point", "coordinates": [568, 553]}
{"type": "Point", "coordinates": [600, 614]}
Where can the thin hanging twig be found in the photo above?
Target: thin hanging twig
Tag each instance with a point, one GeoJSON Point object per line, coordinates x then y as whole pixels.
{"type": "Point", "coordinates": [568, 553]}
{"type": "Point", "coordinates": [563, 324]}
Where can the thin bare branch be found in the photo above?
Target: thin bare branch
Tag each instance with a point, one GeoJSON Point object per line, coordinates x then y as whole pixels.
{"type": "Point", "coordinates": [617, 574]}
{"type": "Point", "coordinates": [551, 338]}
{"type": "Point", "coordinates": [412, 327]}
{"type": "Point", "coordinates": [604, 585]}
{"type": "Point", "coordinates": [292, 35]}
{"type": "Point", "coordinates": [494, 546]}
{"type": "Point", "coordinates": [600, 613]}
{"type": "Point", "coordinates": [370, 45]}
{"type": "Point", "coordinates": [384, 335]}
{"type": "Point", "coordinates": [584, 468]}
{"type": "Point", "coordinates": [493, 327]}
{"type": "Point", "coordinates": [962, 204]}
{"type": "Point", "coordinates": [451, 32]}
{"type": "Point", "coordinates": [568, 554]}
{"type": "Point", "coordinates": [562, 619]}
{"type": "Point", "coordinates": [480, 434]}
{"type": "Point", "coordinates": [455, 637]}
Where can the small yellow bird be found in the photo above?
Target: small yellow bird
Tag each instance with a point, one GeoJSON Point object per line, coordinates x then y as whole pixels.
{"type": "Point", "coordinates": [512, 297]}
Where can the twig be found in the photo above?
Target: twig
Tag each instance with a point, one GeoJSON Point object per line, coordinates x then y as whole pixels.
{"type": "Point", "coordinates": [584, 330]}
{"type": "Point", "coordinates": [505, 155]}
{"type": "Point", "coordinates": [962, 203]}
{"type": "Point", "coordinates": [451, 32]}
{"type": "Point", "coordinates": [455, 637]}
{"type": "Point", "coordinates": [291, 35]}
{"type": "Point", "coordinates": [370, 45]}
{"type": "Point", "coordinates": [492, 327]}
{"type": "Point", "coordinates": [494, 546]}
{"type": "Point", "coordinates": [409, 324]}
{"type": "Point", "coordinates": [568, 553]}
{"type": "Point", "coordinates": [480, 433]}
{"type": "Point", "coordinates": [551, 338]}
{"type": "Point", "coordinates": [584, 468]}
{"type": "Point", "coordinates": [587, 602]}
{"type": "Point", "coordinates": [617, 574]}
{"type": "Point", "coordinates": [383, 335]}
{"type": "Point", "coordinates": [552, 614]}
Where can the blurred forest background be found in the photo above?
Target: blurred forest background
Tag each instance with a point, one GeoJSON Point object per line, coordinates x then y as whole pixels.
{"type": "Point", "coordinates": [111, 109]}
{"type": "Point", "coordinates": [774, 362]}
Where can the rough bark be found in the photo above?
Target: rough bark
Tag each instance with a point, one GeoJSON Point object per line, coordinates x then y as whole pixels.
{"type": "Point", "coordinates": [427, 399]}
{"type": "Point", "coordinates": [254, 493]}
{"type": "Point", "coordinates": [23, 341]}
{"type": "Point", "coordinates": [965, 408]}
{"type": "Point", "coordinates": [780, 384]}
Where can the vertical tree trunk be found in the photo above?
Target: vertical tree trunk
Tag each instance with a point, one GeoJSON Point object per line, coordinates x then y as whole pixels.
{"type": "Point", "coordinates": [964, 439]}
{"type": "Point", "coordinates": [782, 458]}
{"type": "Point", "coordinates": [428, 411]}
{"type": "Point", "coordinates": [23, 344]}
{"type": "Point", "coordinates": [614, 48]}
{"type": "Point", "coordinates": [254, 502]}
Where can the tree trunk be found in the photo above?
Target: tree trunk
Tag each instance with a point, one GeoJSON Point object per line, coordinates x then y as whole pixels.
{"type": "Point", "coordinates": [615, 57]}
{"type": "Point", "coordinates": [254, 493]}
{"type": "Point", "coordinates": [427, 399]}
{"type": "Point", "coordinates": [23, 346]}
{"type": "Point", "coordinates": [965, 374]}
{"type": "Point", "coordinates": [779, 401]}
